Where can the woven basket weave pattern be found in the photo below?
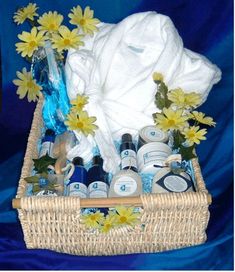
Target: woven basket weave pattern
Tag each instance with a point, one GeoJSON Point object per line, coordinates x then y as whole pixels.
{"type": "Point", "coordinates": [167, 221]}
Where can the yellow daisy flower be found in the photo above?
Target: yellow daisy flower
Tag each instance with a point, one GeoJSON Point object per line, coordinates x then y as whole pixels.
{"type": "Point", "coordinates": [79, 103]}
{"type": "Point", "coordinates": [27, 85]}
{"type": "Point", "coordinates": [31, 41]}
{"type": "Point", "coordinates": [126, 216]}
{"type": "Point", "coordinates": [157, 77]}
{"type": "Point", "coordinates": [170, 119]}
{"type": "Point", "coordinates": [84, 20]}
{"type": "Point", "coordinates": [28, 12]}
{"type": "Point", "coordinates": [108, 223]}
{"type": "Point", "coordinates": [194, 135]}
{"type": "Point", "coordinates": [50, 21]}
{"type": "Point", "coordinates": [81, 122]}
{"type": "Point", "coordinates": [66, 39]}
{"type": "Point", "coordinates": [93, 220]}
{"type": "Point", "coordinates": [184, 100]}
{"type": "Point", "coordinates": [200, 117]}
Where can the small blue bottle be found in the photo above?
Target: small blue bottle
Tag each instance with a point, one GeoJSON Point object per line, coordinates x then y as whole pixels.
{"type": "Point", "coordinates": [47, 143]}
{"type": "Point", "coordinates": [77, 185]}
{"type": "Point", "coordinates": [98, 185]}
{"type": "Point", "coordinates": [128, 153]}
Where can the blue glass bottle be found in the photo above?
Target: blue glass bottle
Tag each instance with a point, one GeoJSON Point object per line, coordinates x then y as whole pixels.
{"type": "Point", "coordinates": [97, 179]}
{"type": "Point", "coordinates": [128, 153]}
{"type": "Point", "coordinates": [47, 143]}
{"type": "Point", "coordinates": [48, 70]}
{"type": "Point", "coordinates": [77, 185]}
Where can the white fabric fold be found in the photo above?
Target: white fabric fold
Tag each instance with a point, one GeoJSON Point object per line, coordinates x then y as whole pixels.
{"type": "Point", "coordinates": [115, 69]}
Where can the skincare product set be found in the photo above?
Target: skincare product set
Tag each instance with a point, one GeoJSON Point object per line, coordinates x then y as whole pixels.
{"type": "Point", "coordinates": [149, 157]}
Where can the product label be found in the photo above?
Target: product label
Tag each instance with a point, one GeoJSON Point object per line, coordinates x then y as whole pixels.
{"type": "Point", "coordinates": [157, 157]}
{"type": "Point", "coordinates": [175, 184]}
{"type": "Point", "coordinates": [128, 158]}
{"type": "Point", "coordinates": [77, 189]}
{"type": "Point", "coordinates": [125, 186]}
{"type": "Point", "coordinates": [154, 135]}
{"type": "Point", "coordinates": [98, 189]}
{"type": "Point", "coordinates": [46, 148]}
{"type": "Point", "coordinates": [46, 193]}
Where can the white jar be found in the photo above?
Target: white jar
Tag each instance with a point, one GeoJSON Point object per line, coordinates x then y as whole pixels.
{"type": "Point", "coordinates": [165, 182]}
{"type": "Point", "coordinates": [125, 183]}
{"type": "Point", "coordinates": [152, 154]}
{"type": "Point", "coordinates": [150, 134]}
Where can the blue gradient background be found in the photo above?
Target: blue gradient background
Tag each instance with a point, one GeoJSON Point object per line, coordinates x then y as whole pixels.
{"type": "Point", "coordinates": [206, 27]}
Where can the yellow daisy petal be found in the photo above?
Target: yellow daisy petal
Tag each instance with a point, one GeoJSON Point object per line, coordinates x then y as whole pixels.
{"type": "Point", "coordinates": [81, 122]}
{"type": "Point", "coordinates": [126, 216]}
{"type": "Point", "coordinates": [28, 12]}
{"type": "Point", "coordinates": [184, 100]}
{"type": "Point", "coordinates": [85, 21]}
{"type": "Point", "coordinates": [27, 86]}
{"type": "Point", "coordinates": [194, 135]}
{"type": "Point", "coordinates": [31, 42]}
{"type": "Point", "coordinates": [170, 119]}
{"type": "Point", "coordinates": [157, 77]}
{"type": "Point", "coordinates": [50, 21]}
{"type": "Point", "coordinates": [108, 223]}
{"type": "Point", "coordinates": [67, 39]}
{"type": "Point", "coordinates": [93, 220]}
{"type": "Point", "coordinates": [201, 118]}
{"type": "Point", "coordinates": [79, 103]}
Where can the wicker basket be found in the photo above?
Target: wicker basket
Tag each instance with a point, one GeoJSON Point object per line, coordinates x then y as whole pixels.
{"type": "Point", "coordinates": [169, 221]}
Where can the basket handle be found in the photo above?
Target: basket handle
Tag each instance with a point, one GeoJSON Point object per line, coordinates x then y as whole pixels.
{"type": "Point", "coordinates": [105, 202]}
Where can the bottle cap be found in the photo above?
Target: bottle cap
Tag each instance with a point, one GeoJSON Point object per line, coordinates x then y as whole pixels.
{"type": "Point", "coordinates": [97, 160]}
{"type": "Point", "coordinates": [50, 132]}
{"type": "Point", "coordinates": [78, 161]}
{"type": "Point", "coordinates": [126, 138]}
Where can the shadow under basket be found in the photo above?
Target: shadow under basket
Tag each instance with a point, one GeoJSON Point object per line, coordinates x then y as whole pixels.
{"type": "Point", "coordinates": [167, 221]}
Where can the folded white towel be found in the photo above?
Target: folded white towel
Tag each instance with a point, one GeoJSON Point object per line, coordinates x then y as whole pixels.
{"type": "Point", "coordinates": [115, 69]}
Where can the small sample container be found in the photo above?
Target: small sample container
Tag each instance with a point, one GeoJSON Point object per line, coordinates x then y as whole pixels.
{"type": "Point", "coordinates": [167, 182]}
{"type": "Point", "coordinates": [98, 185]}
{"type": "Point", "coordinates": [151, 157]}
{"type": "Point", "coordinates": [77, 185]}
{"type": "Point", "coordinates": [150, 134]}
{"type": "Point", "coordinates": [125, 183]}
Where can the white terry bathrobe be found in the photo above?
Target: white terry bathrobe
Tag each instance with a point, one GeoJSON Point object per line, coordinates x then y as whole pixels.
{"type": "Point", "coordinates": [114, 68]}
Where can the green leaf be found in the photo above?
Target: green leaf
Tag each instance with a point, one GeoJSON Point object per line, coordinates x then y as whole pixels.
{"type": "Point", "coordinates": [188, 153]}
{"type": "Point", "coordinates": [178, 139]}
{"type": "Point", "coordinates": [32, 179]}
{"type": "Point", "coordinates": [41, 164]}
{"type": "Point", "coordinates": [161, 99]}
{"type": "Point", "coordinates": [36, 188]}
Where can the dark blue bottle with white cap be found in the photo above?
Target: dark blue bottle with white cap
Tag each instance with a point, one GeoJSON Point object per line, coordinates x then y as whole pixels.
{"type": "Point", "coordinates": [77, 185]}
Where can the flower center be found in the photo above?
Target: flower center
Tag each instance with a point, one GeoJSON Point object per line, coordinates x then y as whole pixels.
{"type": "Point", "coordinates": [66, 42]}
{"type": "Point", "coordinates": [123, 219]}
{"type": "Point", "coordinates": [52, 26]}
{"type": "Point", "coordinates": [171, 122]}
{"type": "Point", "coordinates": [93, 217]}
{"type": "Point", "coordinates": [32, 44]}
{"type": "Point", "coordinates": [191, 134]}
{"type": "Point", "coordinates": [30, 84]}
{"type": "Point", "coordinates": [79, 124]}
{"type": "Point", "coordinates": [82, 22]}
